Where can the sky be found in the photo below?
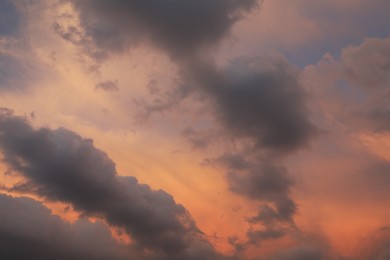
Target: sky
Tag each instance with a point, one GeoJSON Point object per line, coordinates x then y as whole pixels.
{"type": "Point", "coordinates": [195, 129]}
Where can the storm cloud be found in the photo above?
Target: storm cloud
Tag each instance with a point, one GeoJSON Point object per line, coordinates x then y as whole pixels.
{"type": "Point", "coordinates": [59, 165]}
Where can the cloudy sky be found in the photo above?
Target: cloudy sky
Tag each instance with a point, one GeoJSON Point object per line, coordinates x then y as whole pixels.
{"type": "Point", "coordinates": [195, 129]}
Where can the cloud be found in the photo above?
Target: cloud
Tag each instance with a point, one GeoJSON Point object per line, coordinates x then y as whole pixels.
{"type": "Point", "coordinates": [377, 245]}
{"type": "Point", "coordinates": [368, 64]}
{"type": "Point", "coordinates": [198, 139]}
{"type": "Point", "coordinates": [18, 64]}
{"type": "Point", "coordinates": [353, 89]}
{"type": "Point", "coordinates": [259, 181]}
{"type": "Point", "coordinates": [268, 183]}
{"type": "Point", "coordinates": [13, 72]}
{"type": "Point", "coordinates": [9, 18]}
{"type": "Point", "coordinates": [255, 100]}
{"type": "Point", "coordinates": [17, 69]}
{"type": "Point", "coordinates": [300, 253]}
{"type": "Point", "coordinates": [11, 66]}
{"type": "Point", "coordinates": [28, 230]}
{"type": "Point", "coordinates": [109, 85]}
{"type": "Point", "coordinates": [260, 104]}
{"type": "Point", "coordinates": [178, 27]}
{"type": "Point", "coordinates": [304, 30]}
{"type": "Point", "coordinates": [258, 99]}
{"type": "Point", "coordinates": [60, 165]}
{"type": "Point", "coordinates": [260, 235]}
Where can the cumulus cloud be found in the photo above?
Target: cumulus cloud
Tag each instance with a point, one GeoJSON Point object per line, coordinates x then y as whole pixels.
{"type": "Point", "coordinates": [28, 230]}
{"type": "Point", "coordinates": [60, 165]}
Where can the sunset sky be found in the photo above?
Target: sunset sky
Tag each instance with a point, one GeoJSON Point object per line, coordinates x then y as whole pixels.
{"type": "Point", "coordinates": [195, 129]}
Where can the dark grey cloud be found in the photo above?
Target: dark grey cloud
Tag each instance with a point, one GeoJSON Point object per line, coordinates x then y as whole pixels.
{"type": "Point", "coordinates": [28, 230]}
{"type": "Point", "coordinates": [258, 99]}
{"type": "Point", "coordinates": [260, 103]}
{"type": "Point", "coordinates": [179, 27]}
{"type": "Point", "coordinates": [60, 165]}
{"type": "Point", "coordinates": [264, 181]}
{"type": "Point", "coordinates": [283, 211]}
